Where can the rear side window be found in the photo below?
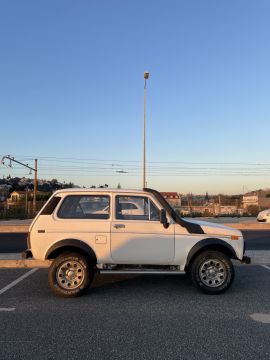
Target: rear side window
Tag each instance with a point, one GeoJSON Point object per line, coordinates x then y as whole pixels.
{"type": "Point", "coordinates": [85, 207]}
{"type": "Point", "coordinates": [49, 208]}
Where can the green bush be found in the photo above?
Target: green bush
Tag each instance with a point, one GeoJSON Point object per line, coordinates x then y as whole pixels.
{"type": "Point", "coordinates": [16, 213]}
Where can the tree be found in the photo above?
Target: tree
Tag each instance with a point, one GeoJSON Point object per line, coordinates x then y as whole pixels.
{"type": "Point", "coordinates": [103, 186]}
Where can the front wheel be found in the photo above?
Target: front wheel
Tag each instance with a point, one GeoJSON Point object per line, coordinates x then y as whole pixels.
{"type": "Point", "coordinates": [212, 272]}
{"type": "Point", "coordinates": [70, 274]}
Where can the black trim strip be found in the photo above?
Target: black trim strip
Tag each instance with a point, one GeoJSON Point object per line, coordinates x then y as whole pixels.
{"type": "Point", "coordinates": [191, 227]}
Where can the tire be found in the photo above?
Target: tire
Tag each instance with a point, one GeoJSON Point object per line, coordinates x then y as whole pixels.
{"type": "Point", "coordinates": [212, 272]}
{"type": "Point", "coordinates": [70, 274]}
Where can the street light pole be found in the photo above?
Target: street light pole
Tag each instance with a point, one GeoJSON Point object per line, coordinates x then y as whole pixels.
{"type": "Point", "coordinates": [146, 76]}
{"type": "Point", "coordinates": [35, 189]}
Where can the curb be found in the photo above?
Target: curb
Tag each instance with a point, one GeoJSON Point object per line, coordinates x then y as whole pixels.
{"type": "Point", "coordinates": [243, 226]}
{"type": "Point", "coordinates": [14, 228]}
{"type": "Point", "coordinates": [258, 257]}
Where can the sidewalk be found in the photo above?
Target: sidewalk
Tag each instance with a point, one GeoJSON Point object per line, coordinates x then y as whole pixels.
{"type": "Point", "coordinates": [258, 257]}
{"type": "Point", "coordinates": [15, 226]}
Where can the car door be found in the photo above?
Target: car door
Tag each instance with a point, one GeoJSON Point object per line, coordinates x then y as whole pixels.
{"type": "Point", "coordinates": [137, 236]}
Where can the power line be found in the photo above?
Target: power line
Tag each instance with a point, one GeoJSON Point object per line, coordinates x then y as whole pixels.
{"type": "Point", "coordinates": [69, 159]}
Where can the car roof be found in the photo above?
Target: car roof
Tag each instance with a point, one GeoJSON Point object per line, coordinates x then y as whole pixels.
{"type": "Point", "coordinates": [264, 211]}
{"type": "Point", "coordinates": [98, 190]}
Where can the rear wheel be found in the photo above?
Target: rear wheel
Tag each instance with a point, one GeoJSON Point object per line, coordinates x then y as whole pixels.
{"type": "Point", "coordinates": [212, 272]}
{"type": "Point", "coordinates": [70, 274]}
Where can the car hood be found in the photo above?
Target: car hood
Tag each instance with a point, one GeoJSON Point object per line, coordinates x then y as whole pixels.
{"type": "Point", "coordinates": [215, 229]}
{"type": "Point", "coordinates": [264, 212]}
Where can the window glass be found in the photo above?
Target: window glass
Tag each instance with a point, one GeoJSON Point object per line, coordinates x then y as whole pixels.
{"type": "Point", "coordinates": [154, 212]}
{"type": "Point", "coordinates": [85, 207]}
{"type": "Point", "coordinates": [136, 208]}
{"type": "Point", "coordinates": [51, 205]}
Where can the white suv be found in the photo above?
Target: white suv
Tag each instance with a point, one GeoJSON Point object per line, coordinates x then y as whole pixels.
{"type": "Point", "coordinates": [264, 216]}
{"type": "Point", "coordinates": [88, 231]}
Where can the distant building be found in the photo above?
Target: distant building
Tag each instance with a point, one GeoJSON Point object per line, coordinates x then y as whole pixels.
{"type": "Point", "coordinates": [227, 210]}
{"type": "Point", "coordinates": [17, 197]}
{"type": "Point", "coordinates": [212, 209]}
{"type": "Point", "coordinates": [260, 198]}
{"type": "Point", "coordinates": [173, 198]}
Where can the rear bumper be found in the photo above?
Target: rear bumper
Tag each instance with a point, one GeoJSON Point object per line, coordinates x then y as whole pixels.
{"type": "Point", "coordinates": [27, 254]}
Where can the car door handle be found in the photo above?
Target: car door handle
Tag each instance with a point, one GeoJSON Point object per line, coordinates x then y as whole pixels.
{"type": "Point", "coordinates": [119, 226]}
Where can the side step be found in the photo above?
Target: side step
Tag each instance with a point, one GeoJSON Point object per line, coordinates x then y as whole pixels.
{"type": "Point", "coordinates": [142, 272]}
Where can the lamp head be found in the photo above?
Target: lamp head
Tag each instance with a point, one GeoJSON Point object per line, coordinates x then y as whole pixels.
{"type": "Point", "coordinates": [146, 75]}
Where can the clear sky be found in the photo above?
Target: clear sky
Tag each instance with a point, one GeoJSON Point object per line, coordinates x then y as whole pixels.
{"type": "Point", "coordinates": [71, 88]}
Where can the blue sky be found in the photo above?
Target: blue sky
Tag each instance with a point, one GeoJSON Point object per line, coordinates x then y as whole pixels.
{"type": "Point", "coordinates": [71, 88]}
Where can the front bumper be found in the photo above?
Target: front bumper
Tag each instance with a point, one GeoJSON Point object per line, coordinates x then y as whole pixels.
{"type": "Point", "coordinates": [246, 260]}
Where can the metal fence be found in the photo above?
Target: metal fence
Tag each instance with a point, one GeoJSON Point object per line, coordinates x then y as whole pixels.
{"type": "Point", "coordinates": [22, 210]}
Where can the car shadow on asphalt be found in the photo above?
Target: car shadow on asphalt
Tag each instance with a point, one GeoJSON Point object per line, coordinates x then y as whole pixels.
{"type": "Point", "coordinates": [245, 278]}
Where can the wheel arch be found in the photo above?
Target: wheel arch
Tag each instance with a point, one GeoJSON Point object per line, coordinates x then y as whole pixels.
{"type": "Point", "coordinates": [71, 245]}
{"type": "Point", "coordinates": [214, 244]}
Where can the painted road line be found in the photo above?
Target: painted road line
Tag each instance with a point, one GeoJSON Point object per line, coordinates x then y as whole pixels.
{"type": "Point", "coordinates": [7, 309]}
{"type": "Point", "coordinates": [266, 267]}
{"type": "Point", "coordinates": [260, 317]}
{"type": "Point", "coordinates": [15, 282]}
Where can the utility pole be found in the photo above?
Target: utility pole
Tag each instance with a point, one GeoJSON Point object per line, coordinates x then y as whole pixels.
{"type": "Point", "coordinates": [12, 159]}
{"type": "Point", "coordinates": [26, 202]}
{"type": "Point", "coordinates": [190, 204]}
{"type": "Point", "coordinates": [146, 76]}
{"type": "Point", "coordinates": [35, 189]}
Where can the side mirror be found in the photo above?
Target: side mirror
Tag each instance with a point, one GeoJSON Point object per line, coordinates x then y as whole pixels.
{"type": "Point", "coordinates": [163, 218]}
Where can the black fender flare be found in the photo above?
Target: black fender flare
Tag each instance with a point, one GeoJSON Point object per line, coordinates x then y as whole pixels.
{"type": "Point", "coordinates": [211, 243]}
{"type": "Point", "coordinates": [74, 244]}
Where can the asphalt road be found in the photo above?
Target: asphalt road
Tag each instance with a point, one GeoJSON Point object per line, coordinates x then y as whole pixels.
{"type": "Point", "coordinates": [257, 239]}
{"type": "Point", "coordinates": [139, 317]}
{"type": "Point", "coordinates": [13, 242]}
{"type": "Point", "coordinates": [16, 242]}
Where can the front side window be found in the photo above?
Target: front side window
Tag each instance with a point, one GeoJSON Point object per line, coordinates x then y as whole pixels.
{"type": "Point", "coordinates": [136, 208]}
{"type": "Point", "coordinates": [85, 207]}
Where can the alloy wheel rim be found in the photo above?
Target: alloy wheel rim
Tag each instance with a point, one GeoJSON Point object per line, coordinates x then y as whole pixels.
{"type": "Point", "coordinates": [213, 273]}
{"type": "Point", "coordinates": [70, 275]}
